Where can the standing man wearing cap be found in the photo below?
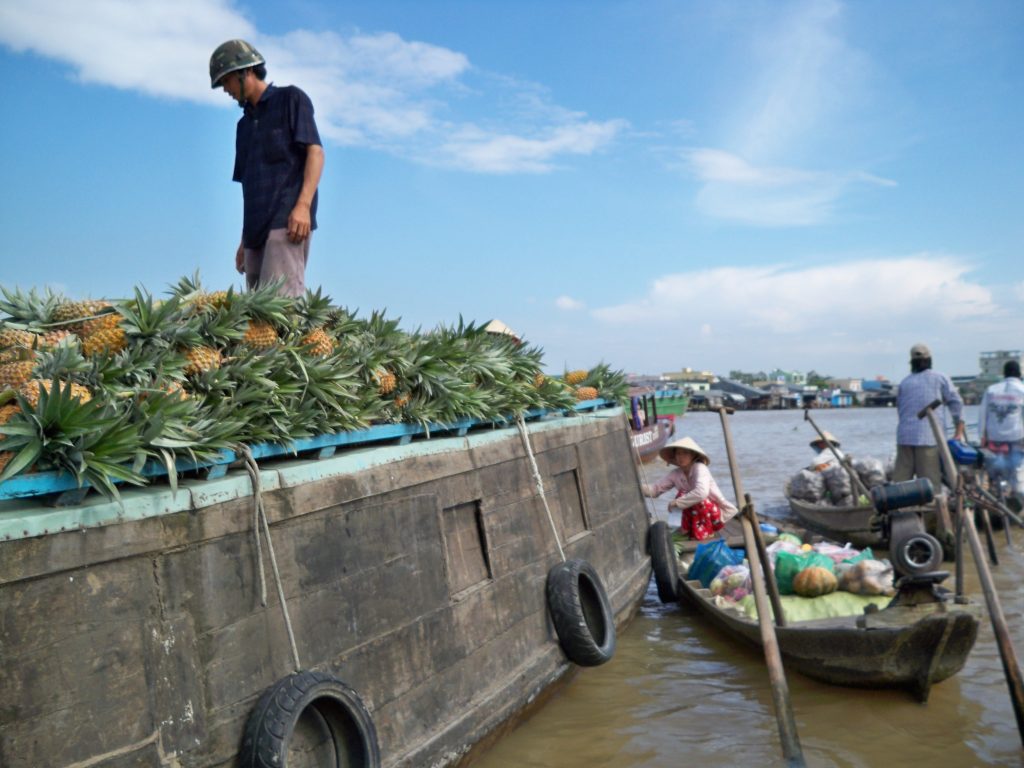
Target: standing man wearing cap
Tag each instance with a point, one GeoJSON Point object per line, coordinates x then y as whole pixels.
{"type": "Point", "coordinates": [917, 455]}
{"type": "Point", "coordinates": [1001, 424]}
{"type": "Point", "coordinates": [278, 161]}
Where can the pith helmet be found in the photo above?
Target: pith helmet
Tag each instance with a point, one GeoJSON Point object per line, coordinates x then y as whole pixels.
{"type": "Point", "coordinates": [230, 57]}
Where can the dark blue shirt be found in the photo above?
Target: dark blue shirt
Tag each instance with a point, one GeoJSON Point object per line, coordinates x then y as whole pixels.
{"type": "Point", "coordinates": [270, 159]}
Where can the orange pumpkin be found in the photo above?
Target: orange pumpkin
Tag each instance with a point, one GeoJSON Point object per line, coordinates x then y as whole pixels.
{"type": "Point", "coordinates": [815, 581]}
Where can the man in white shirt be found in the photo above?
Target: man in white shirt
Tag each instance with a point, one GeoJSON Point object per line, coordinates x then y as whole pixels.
{"type": "Point", "coordinates": [1001, 423]}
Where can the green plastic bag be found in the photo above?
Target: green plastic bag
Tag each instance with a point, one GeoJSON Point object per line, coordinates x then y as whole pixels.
{"type": "Point", "coordinates": [865, 555]}
{"type": "Point", "coordinates": [788, 565]}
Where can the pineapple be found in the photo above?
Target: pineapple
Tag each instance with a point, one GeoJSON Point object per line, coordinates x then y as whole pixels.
{"type": "Point", "coordinates": [30, 391]}
{"type": "Point", "coordinates": [201, 359]}
{"type": "Point", "coordinates": [51, 339]}
{"type": "Point", "coordinates": [6, 412]}
{"type": "Point", "coordinates": [15, 337]}
{"type": "Point", "coordinates": [260, 335]}
{"type": "Point", "coordinates": [385, 379]}
{"type": "Point", "coordinates": [15, 344]}
{"type": "Point", "coordinates": [319, 342]}
{"type": "Point", "coordinates": [538, 380]}
{"type": "Point", "coordinates": [572, 378]}
{"type": "Point", "coordinates": [314, 312]}
{"type": "Point", "coordinates": [13, 375]}
{"type": "Point", "coordinates": [103, 334]}
{"type": "Point", "coordinates": [402, 400]}
{"type": "Point", "coordinates": [70, 315]}
{"type": "Point", "coordinates": [210, 301]}
{"type": "Point", "coordinates": [586, 393]}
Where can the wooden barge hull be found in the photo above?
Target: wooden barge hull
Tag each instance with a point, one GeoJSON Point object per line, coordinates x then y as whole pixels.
{"type": "Point", "coordinates": [414, 573]}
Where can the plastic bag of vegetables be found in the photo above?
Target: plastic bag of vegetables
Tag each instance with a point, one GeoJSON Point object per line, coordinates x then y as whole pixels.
{"type": "Point", "coordinates": [733, 582]}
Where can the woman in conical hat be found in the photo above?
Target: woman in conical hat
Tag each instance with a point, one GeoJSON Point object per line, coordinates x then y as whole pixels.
{"type": "Point", "coordinates": [704, 508]}
{"type": "Point", "coordinates": [826, 458]}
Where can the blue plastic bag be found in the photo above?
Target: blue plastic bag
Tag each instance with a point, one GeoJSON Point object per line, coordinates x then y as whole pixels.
{"type": "Point", "coordinates": [710, 558]}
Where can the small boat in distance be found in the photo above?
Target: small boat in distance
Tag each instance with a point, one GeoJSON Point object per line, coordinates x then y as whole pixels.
{"type": "Point", "coordinates": [671, 402]}
{"type": "Point", "coordinates": [649, 431]}
{"type": "Point", "coordinates": [849, 523]}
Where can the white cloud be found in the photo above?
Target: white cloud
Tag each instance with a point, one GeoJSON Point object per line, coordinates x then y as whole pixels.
{"type": "Point", "coordinates": [569, 303]}
{"type": "Point", "coordinates": [476, 150]}
{"type": "Point", "coordinates": [854, 318]}
{"type": "Point", "coordinates": [776, 299]}
{"type": "Point", "coordinates": [377, 90]}
{"type": "Point", "coordinates": [805, 81]}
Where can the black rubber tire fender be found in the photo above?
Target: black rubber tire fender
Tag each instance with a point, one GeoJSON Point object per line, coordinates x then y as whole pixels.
{"type": "Point", "coordinates": [581, 613]}
{"type": "Point", "coordinates": [664, 562]}
{"type": "Point", "coordinates": [916, 554]}
{"type": "Point", "coordinates": [336, 708]}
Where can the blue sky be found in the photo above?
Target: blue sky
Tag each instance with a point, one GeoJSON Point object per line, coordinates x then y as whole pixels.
{"type": "Point", "coordinates": [655, 184]}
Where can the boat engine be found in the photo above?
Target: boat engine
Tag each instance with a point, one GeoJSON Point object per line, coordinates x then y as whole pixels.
{"type": "Point", "coordinates": [913, 551]}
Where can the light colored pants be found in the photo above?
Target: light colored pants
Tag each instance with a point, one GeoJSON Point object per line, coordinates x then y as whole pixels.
{"type": "Point", "coordinates": [918, 461]}
{"type": "Point", "coordinates": [278, 258]}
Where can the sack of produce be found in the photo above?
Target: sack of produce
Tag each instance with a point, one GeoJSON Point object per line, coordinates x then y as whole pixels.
{"type": "Point", "coordinates": [788, 565]}
{"type": "Point", "coordinates": [710, 558]}
{"type": "Point", "coordinates": [871, 471]}
{"type": "Point", "coordinates": [782, 544]}
{"type": "Point", "coordinates": [836, 552]}
{"type": "Point", "coordinates": [807, 486]}
{"type": "Point", "coordinates": [838, 486]}
{"type": "Point", "coordinates": [868, 577]}
{"type": "Point", "coordinates": [732, 582]}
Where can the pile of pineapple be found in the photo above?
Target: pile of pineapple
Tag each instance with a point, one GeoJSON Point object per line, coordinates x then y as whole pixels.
{"type": "Point", "coordinates": [101, 389]}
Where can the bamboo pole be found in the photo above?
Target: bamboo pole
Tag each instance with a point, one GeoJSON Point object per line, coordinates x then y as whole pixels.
{"type": "Point", "coordinates": [791, 749]}
{"type": "Point", "coordinates": [947, 462]}
{"type": "Point", "coordinates": [1007, 654]}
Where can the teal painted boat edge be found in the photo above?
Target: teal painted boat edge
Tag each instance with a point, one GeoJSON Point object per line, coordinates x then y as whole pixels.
{"type": "Point", "coordinates": [26, 517]}
{"type": "Point", "coordinates": [46, 483]}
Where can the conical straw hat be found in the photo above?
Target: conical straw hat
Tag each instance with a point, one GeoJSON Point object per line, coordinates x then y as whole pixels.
{"type": "Point", "coordinates": [828, 436]}
{"type": "Point", "coordinates": [688, 443]}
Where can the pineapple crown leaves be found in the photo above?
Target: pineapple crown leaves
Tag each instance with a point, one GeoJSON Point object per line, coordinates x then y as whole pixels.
{"type": "Point", "coordinates": [32, 308]}
{"type": "Point", "coordinates": [312, 310]}
{"type": "Point", "coordinates": [162, 322]}
{"type": "Point", "coordinates": [91, 440]}
{"type": "Point", "coordinates": [267, 305]}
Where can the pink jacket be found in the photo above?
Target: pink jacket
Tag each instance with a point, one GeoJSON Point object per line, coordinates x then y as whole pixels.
{"type": "Point", "coordinates": [696, 487]}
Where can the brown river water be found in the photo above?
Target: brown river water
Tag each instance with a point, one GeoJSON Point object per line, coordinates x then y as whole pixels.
{"type": "Point", "coordinates": [680, 693]}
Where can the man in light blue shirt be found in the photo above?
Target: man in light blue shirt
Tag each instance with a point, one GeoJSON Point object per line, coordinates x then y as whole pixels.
{"type": "Point", "coordinates": [1001, 423]}
{"type": "Point", "coordinates": [917, 455]}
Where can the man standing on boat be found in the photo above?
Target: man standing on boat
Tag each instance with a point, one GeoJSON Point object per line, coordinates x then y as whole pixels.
{"type": "Point", "coordinates": [1001, 424]}
{"type": "Point", "coordinates": [917, 455]}
{"type": "Point", "coordinates": [278, 161]}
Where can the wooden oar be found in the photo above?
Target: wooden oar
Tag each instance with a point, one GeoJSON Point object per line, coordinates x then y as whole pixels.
{"type": "Point", "coordinates": [1007, 654]}
{"type": "Point", "coordinates": [791, 749]}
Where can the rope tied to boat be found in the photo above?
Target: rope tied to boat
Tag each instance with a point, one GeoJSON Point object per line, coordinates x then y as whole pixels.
{"type": "Point", "coordinates": [259, 521]}
{"type": "Point", "coordinates": [525, 435]}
